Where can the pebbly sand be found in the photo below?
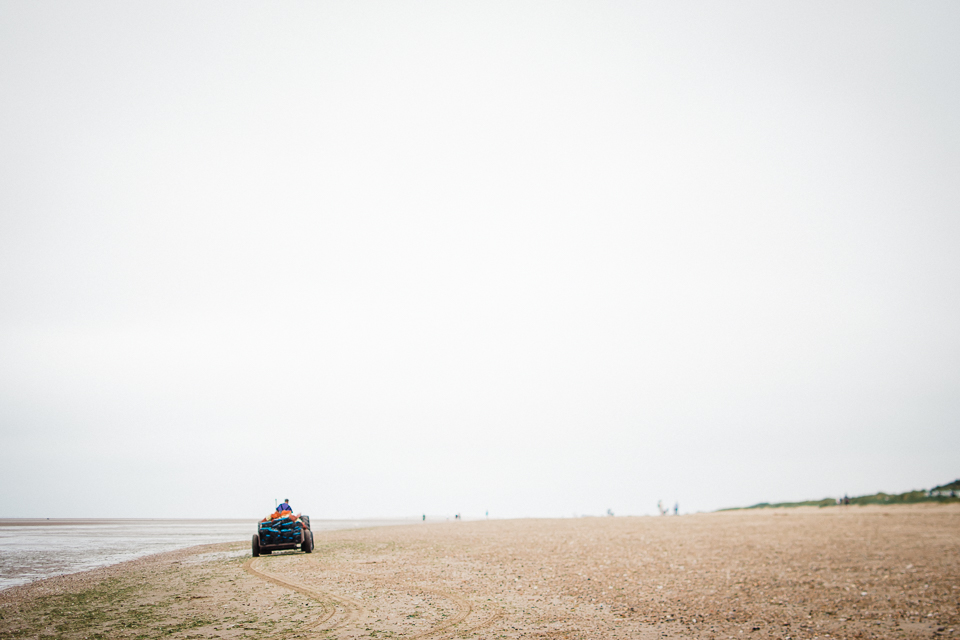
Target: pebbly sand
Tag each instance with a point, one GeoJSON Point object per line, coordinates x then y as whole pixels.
{"type": "Point", "coordinates": [838, 572]}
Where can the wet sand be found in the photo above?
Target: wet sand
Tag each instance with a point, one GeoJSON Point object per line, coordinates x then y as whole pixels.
{"type": "Point", "coordinates": [31, 549]}
{"type": "Point", "coordinates": [838, 572]}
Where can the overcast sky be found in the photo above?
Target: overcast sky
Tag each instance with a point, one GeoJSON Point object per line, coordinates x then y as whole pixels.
{"type": "Point", "coordinates": [536, 258]}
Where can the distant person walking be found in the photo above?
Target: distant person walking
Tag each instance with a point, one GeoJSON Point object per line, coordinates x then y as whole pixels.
{"type": "Point", "coordinates": [676, 508]}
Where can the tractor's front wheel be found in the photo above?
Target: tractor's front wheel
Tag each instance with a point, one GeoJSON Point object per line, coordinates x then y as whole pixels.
{"type": "Point", "coordinates": [255, 546]}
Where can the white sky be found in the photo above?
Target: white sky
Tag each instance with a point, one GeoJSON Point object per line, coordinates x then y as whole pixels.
{"type": "Point", "coordinates": [532, 258]}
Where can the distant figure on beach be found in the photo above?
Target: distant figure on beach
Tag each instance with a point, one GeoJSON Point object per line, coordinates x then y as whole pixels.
{"type": "Point", "coordinates": [424, 517]}
{"type": "Point", "coordinates": [284, 506]}
{"type": "Point", "coordinates": [676, 508]}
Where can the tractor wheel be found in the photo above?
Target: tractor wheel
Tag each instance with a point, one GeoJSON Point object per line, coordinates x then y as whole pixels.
{"type": "Point", "coordinates": [255, 546]}
{"type": "Point", "coordinates": [307, 545]}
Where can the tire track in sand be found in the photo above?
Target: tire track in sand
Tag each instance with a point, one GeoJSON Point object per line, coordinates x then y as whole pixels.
{"type": "Point", "coordinates": [351, 607]}
{"type": "Point", "coordinates": [464, 607]}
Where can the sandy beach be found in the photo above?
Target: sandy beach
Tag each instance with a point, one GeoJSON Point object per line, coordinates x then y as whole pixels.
{"type": "Point", "coordinates": [841, 572]}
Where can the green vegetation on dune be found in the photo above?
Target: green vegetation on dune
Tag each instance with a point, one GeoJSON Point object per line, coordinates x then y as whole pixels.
{"type": "Point", "coordinates": [952, 489]}
{"type": "Point", "coordinates": [944, 493]}
{"type": "Point", "coordinates": [826, 502]}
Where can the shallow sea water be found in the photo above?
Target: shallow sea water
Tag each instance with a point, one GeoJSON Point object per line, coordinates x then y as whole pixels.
{"type": "Point", "coordinates": [35, 549]}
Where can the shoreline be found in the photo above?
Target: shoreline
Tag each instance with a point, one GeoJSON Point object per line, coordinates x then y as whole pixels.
{"type": "Point", "coordinates": [32, 549]}
{"type": "Point", "coordinates": [66, 581]}
{"type": "Point", "coordinates": [870, 572]}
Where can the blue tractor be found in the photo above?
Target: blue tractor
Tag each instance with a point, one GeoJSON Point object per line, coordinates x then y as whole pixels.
{"type": "Point", "coordinates": [282, 533]}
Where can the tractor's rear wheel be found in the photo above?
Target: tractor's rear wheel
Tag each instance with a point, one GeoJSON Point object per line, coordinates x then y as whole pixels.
{"type": "Point", "coordinates": [307, 544]}
{"type": "Point", "coordinates": [255, 546]}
